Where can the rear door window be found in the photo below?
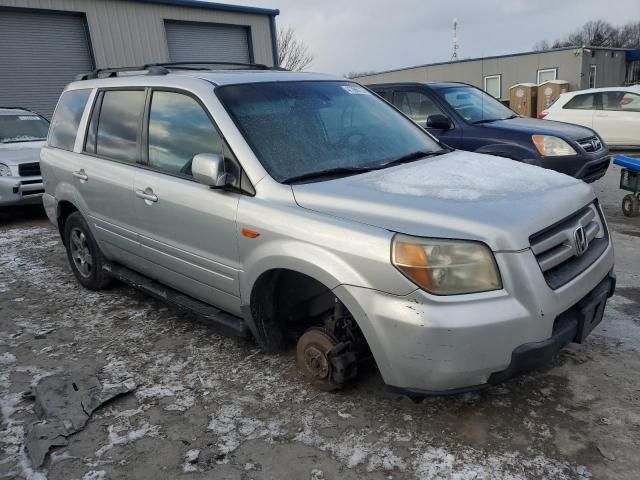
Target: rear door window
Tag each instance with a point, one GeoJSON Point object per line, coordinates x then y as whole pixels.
{"type": "Point", "coordinates": [582, 102]}
{"type": "Point", "coordinates": [416, 105]}
{"type": "Point", "coordinates": [119, 125]}
{"type": "Point", "coordinates": [66, 119]}
{"type": "Point", "coordinates": [621, 101]}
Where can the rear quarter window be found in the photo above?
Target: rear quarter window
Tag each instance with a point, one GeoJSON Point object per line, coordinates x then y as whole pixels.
{"type": "Point", "coordinates": [66, 119]}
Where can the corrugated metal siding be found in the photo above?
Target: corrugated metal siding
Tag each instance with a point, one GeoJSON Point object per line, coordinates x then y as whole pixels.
{"type": "Point", "coordinates": [40, 52]}
{"type": "Point", "coordinates": [514, 69]}
{"type": "Point", "coordinates": [132, 33]}
{"type": "Point", "coordinates": [611, 67]}
{"type": "Point", "coordinates": [194, 41]}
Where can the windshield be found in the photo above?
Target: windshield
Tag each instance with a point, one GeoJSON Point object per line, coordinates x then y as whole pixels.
{"type": "Point", "coordinates": [22, 128]}
{"type": "Point", "coordinates": [300, 128]}
{"type": "Point", "coordinates": [475, 106]}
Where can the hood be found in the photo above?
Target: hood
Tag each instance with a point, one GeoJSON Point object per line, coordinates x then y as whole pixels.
{"type": "Point", "coordinates": [535, 126]}
{"type": "Point", "coordinates": [20, 152]}
{"type": "Point", "coordinates": [460, 195]}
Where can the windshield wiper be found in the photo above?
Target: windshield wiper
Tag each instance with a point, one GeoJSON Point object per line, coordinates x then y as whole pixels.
{"type": "Point", "coordinates": [489, 120]}
{"type": "Point", "coordinates": [345, 171]}
{"type": "Point", "coordinates": [413, 156]}
{"type": "Point", "coordinates": [329, 172]}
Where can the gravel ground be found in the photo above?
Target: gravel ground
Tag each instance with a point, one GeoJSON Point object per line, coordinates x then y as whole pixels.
{"type": "Point", "coordinates": [207, 406]}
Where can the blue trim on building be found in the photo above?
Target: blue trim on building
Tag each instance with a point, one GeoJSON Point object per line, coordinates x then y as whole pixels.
{"type": "Point", "coordinates": [633, 55]}
{"type": "Point", "coordinates": [477, 59]}
{"type": "Point", "coordinates": [216, 6]}
{"type": "Point", "coordinates": [274, 41]}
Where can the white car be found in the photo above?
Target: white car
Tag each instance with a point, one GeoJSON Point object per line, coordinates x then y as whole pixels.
{"type": "Point", "coordinates": [614, 113]}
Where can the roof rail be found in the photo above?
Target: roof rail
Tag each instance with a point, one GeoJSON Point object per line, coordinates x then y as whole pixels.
{"type": "Point", "coordinates": [164, 68]}
{"type": "Point", "coordinates": [180, 65]}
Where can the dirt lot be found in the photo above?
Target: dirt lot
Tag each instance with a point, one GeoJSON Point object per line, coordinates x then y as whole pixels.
{"type": "Point", "coordinates": [247, 415]}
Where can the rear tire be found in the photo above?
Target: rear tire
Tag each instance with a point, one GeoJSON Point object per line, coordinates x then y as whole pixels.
{"type": "Point", "coordinates": [631, 205]}
{"type": "Point", "coordinates": [84, 255]}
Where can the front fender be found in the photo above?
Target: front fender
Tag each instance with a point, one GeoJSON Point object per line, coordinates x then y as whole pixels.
{"type": "Point", "coordinates": [314, 261]}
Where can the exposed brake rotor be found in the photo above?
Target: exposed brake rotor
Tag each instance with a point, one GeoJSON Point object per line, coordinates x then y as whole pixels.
{"type": "Point", "coordinates": [312, 358]}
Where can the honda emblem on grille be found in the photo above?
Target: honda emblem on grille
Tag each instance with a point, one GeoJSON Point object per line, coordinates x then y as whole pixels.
{"type": "Point", "coordinates": [580, 240]}
{"type": "Point", "coordinates": [595, 143]}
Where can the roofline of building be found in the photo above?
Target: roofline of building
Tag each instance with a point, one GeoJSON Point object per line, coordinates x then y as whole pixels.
{"type": "Point", "coordinates": [493, 57]}
{"type": "Point", "coordinates": [216, 6]}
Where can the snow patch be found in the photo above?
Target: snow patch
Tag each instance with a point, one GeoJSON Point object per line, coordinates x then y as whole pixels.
{"type": "Point", "coordinates": [190, 459]}
{"type": "Point", "coordinates": [466, 177]}
{"type": "Point", "coordinates": [7, 358]}
{"type": "Point", "coordinates": [116, 437]}
{"type": "Point", "coordinates": [95, 475]}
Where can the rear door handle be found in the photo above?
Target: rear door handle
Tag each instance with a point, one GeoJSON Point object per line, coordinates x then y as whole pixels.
{"type": "Point", "coordinates": [80, 174]}
{"type": "Point", "coordinates": [147, 195]}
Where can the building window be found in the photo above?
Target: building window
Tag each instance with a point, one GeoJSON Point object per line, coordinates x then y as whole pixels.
{"type": "Point", "coordinates": [592, 76]}
{"type": "Point", "coordinates": [493, 85]}
{"type": "Point", "coordinates": [547, 74]}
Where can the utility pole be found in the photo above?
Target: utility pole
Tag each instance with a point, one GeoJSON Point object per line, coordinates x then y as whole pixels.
{"type": "Point", "coordinates": [455, 40]}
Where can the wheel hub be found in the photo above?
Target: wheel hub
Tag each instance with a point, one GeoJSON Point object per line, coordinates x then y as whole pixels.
{"type": "Point", "coordinates": [312, 358]}
{"type": "Point", "coordinates": [80, 253]}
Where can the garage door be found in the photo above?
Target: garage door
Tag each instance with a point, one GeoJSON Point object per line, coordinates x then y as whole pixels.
{"type": "Point", "coordinates": [40, 52]}
{"type": "Point", "coordinates": [207, 42]}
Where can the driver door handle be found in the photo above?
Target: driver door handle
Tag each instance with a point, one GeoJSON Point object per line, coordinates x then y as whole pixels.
{"type": "Point", "coordinates": [147, 195]}
{"type": "Point", "coordinates": [80, 174]}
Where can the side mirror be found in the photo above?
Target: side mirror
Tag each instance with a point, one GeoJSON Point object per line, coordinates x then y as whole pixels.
{"type": "Point", "coordinates": [209, 169]}
{"type": "Point", "coordinates": [438, 122]}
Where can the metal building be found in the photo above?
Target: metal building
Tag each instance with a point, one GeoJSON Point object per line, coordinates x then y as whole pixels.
{"type": "Point", "coordinates": [45, 43]}
{"type": "Point", "coordinates": [584, 67]}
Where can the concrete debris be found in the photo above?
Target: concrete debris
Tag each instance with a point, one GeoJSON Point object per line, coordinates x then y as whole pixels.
{"type": "Point", "coordinates": [64, 402]}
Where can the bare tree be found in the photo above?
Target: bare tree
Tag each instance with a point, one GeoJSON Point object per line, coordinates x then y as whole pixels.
{"type": "Point", "coordinates": [359, 74]}
{"type": "Point", "coordinates": [629, 35]}
{"type": "Point", "coordinates": [598, 33]}
{"type": "Point", "coordinates": [293, 53]}
{"type": "Point", "coordinates": [541, 45]}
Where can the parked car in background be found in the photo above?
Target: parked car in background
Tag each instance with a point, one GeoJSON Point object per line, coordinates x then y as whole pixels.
{"type": "Point", "coordinates": [22, 135]}
{"type": "Point", "coordinates": [466, 118]}
{"type": "Point", "coordinates": [311, 211]}
{"type": "Point", "coordinates": [612, 112]}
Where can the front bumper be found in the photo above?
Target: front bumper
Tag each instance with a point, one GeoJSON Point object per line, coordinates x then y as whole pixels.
{"type": "Point", "coordinates": [425, 345]}
{"type": "Point", "coordinates": [20, 191]}
{"type": "Point", "coordinates": [572, 325]}
{"type": "Point", "coordinates": [586, 167]}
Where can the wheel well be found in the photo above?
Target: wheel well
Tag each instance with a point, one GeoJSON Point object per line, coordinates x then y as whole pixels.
{"type": "Point", "coordinates": [64, 210]}
{"type": "Point", "coordinates": [284, 303]}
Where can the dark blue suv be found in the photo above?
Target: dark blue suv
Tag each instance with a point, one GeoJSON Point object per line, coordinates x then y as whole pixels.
{"type": "Point", "coordinates": [466, 118]}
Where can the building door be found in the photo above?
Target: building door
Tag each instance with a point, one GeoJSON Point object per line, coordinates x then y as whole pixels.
{"type": "Point", "coordinates": [208, 42]}
{"type": "Point", "coordinates": [40, 52]}
{"type": "Point", "coordinates": [592, 76]}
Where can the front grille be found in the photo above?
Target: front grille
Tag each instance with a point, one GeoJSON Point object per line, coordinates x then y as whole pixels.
{"type": "Point", "coordinates": [29, 169]}
{"type": "Point", "coordinates": [590, 144]}
{"type": "Point", "coordinates": [566, 249]}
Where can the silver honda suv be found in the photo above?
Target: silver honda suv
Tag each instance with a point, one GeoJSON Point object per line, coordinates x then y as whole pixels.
{"type": "Point", "coordinates": [303, 209]}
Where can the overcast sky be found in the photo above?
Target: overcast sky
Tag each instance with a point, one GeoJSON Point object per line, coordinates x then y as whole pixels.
{"type": "Point", "coordinates": [359, 35]}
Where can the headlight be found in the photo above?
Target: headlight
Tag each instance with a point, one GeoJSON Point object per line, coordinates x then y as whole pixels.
{"type": "Point", "coordinates": [4, 170]}
{"type": "Point", "coordinates": [549, 146]}
{"type": "Point", "coordinates": [446, 267]}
